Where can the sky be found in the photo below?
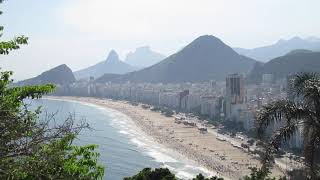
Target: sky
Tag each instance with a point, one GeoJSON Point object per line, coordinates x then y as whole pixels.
{"type": "Point", "coordinates": [80, 33]}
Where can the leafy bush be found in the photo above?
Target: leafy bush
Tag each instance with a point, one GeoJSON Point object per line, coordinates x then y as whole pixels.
{"type": "Point", "coordinates": [168, 113]}
{"type": "Point", "coordinates": [145, 106]}
{"type": "Point", "coordinates": [250, 142]}
{"type": "Point", "coordinates": [155, 108]}
{"type": "Point", "coordinates": [156, 174]}
{"type": "Point", "coordinates": [201, 177]}
{"type": "Point", "coordinates": [163, 174]}
{"type": "Point", "coordinates": [261, 174]}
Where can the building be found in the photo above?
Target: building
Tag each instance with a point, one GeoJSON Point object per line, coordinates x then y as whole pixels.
{"type": "Point", "coordinates": [169, 99]}
{"type": "Point", "coordinates": [92, 89]}
{"type": "Point", "coordinates": [183, 99]}
{"type": "Point", "coordinates": [247, 117]}
{"type": "Point", "coordinates": [193, 101]}
{"type": "Point", "coordinates": [235, 88]}
{"type": "Point", "coordinates": [209, 105]}
{"type": "Point", "coordinates": [235, 94]}
{"type": "Point", "coordinates": [267, 79]}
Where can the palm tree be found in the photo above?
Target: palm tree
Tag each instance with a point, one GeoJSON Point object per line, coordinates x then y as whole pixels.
{"type": "Point", "coordinates": [303, 113]}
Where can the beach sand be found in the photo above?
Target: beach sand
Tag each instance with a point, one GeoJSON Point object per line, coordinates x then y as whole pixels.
{"type": "Point", "coordinates": [206, 149]}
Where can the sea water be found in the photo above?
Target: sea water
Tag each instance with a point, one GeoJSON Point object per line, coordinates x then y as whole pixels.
{"type": "Point", "coordinates": [124, 149]}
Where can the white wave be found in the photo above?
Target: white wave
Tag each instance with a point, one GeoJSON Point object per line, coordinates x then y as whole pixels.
{"type": "Point", "coordinates": [184, 175]}
{"type": "Point", "coordinates": [159, 156]}
{"type": "Point", "coordinates": [124, 132]}
{"type": "Point", "coordinates": [200, 169]}
{"type": "Point", "coordinates": [125, 125]}
{"type": "Point", "coordinates": [137, 142]}
{"type": "Point", "coordinates": [181, 173]}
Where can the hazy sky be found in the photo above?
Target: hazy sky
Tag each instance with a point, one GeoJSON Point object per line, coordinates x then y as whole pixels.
{"type": "Point", "coordinates": [80, 33]}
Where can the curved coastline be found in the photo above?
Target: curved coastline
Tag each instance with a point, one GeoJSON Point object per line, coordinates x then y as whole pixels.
{"type": "Point", "coordinates": [146, 143]}
{"type": "Point", "coordinates": [204, 151]}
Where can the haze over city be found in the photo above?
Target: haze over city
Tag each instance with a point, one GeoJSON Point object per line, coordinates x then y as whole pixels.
{"type": "Point", "coordinates": [160, 90]}
{"type": "Point", "coordinates": [80, 33]}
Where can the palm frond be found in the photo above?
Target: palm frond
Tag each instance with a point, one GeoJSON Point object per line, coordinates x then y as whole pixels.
{"type": "Point", "coordinates": [310, 139]}
{"type": "Point", "coordinates": [303, 112]}
{"type": "Point", "coordinates": [300, 79]}
{"type": "Point", "coordinates": [281, 135]}
{"type": "Point", "coordinates": [312, 92]}
{"type": "Point", "coordinates": [307, 85]}
{"type": "Point", "coordinates": [281, 110]}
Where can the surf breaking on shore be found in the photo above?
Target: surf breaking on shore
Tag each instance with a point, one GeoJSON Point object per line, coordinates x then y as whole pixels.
{"type": "Point", "coordinates": [182, 167]}
{"type": "Point", "coordinates": [181, 142]}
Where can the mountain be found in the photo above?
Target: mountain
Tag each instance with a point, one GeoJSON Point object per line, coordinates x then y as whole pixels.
{"type": "Point", "coordinates": [280, 48]}
{"type": "Point", "coordinates": [59, 75]}
{"type": "Point", "coordinates": [107, 77]}
{"type": "Point", "coordinates": [291, 63]}
{"type": "Point", "coordinates": [313, 39]}
{"type": "Point", "coordinates": [143, 57]}
{"type": "Point", "coordinates": [298, 51]}
{"type": "Point", "coordinates": [111, 65]}
{"type": "Point", "coordinates": [204, 59]}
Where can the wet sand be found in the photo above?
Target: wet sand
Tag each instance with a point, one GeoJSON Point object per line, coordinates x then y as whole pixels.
{"type": "Point", "coordinates": [208, 149]}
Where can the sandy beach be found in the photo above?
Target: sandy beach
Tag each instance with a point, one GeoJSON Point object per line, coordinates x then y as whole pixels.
{"type": "Point", "coordinates": [208, 149]}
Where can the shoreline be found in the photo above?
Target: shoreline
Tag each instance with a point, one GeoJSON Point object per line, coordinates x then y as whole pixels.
{"type": "Point", "coordinates": [205, 149]}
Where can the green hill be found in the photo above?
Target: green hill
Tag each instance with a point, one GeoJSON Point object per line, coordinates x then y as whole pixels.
{"type": "Point", "coordinates": [293, 62]}
{"type": "Point", "coordinates": [59, 75]}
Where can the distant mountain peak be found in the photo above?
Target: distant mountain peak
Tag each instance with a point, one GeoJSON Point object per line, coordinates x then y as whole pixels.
{"type": "Point", "coordinates": [313, 39]}
{"type": "Point", "coordinates": [113, 56]}
{"type": "Point", "coordinates": [205, 39]}
{"type": "Point", "coordinates": [281, 48]}
{"type": "Point", "coordinates": [62, 66]}
{"type": "Point", "coordinates": [280, 41]}
{"type": "Point", "coordinates": [111, 65]}
{"type": "Point", "coordinates": [143, 48]}
{"type": "Point", "coordinates": [296, 39]}
{"type": "Point", "coordinates": [291, 40]}
{"type": "Point", "coordinates": [206, 58]}
{"type": "Point", "coordinates": [61, 74]}
{"type": "Point", "coordinates": [299, 51]}
{"type": "Point", "coordinates": [296, 61]}
{"type": "Point", "coordinates": [143, 57]}
{"type": "Point", "coordinates": [207, 43]}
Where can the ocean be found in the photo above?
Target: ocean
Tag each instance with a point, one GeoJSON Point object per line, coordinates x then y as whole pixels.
{"type": "Point", "coordinates": [124, 149]}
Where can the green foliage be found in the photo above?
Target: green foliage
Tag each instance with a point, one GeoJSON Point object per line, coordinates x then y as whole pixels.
{"type": "Point", "coordinates": [301, 113]}
{"type": "Point", "coordinates": [145, 106]}
{"type": "Point", "coordinates": [59, 160]}
{"type": "Point", "coordinates": [134, 103]}
{"type": "Point", "coordinates": [251, 142]}
{"type": "Point", "coordinates": [260, 174]}
{"type": "Point", "coordinates": [168, 113]}
{"type": "Point", "coordinates": [7, 46]}
{"type": "Point", "coordinates": [201, 177]}
{"type": "Point", "coordinates": [34, 148]}
{"type": "Point", "coordinates": [163, 174]}
{"type": "Point", "coordinates": [156, 174]}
